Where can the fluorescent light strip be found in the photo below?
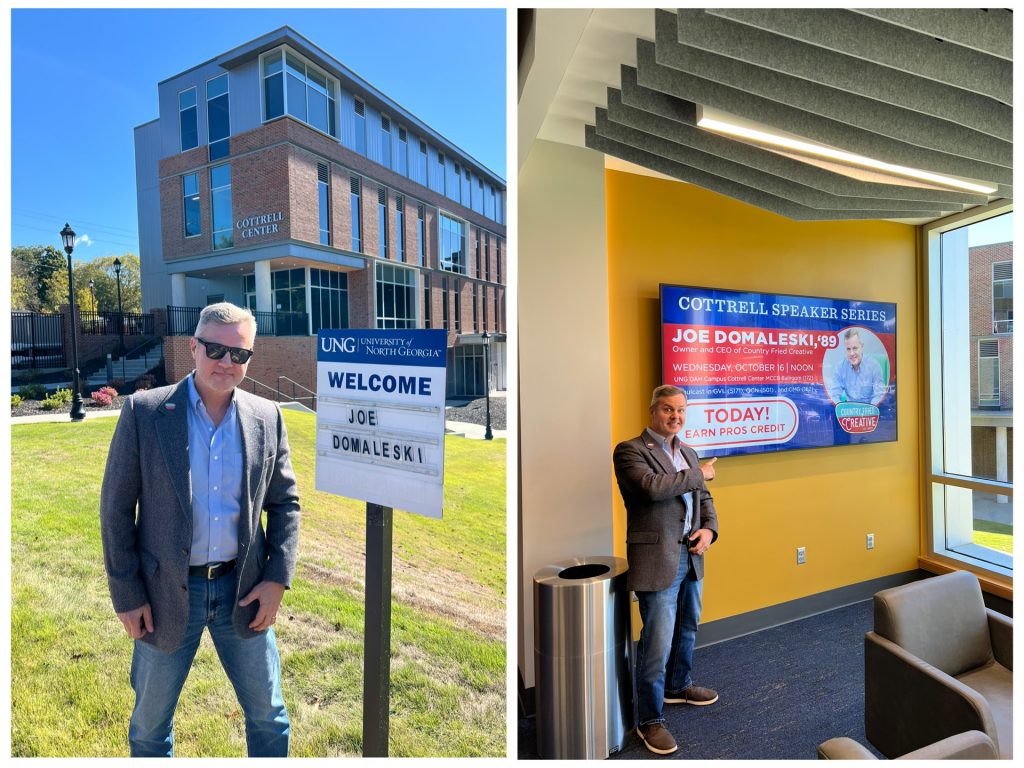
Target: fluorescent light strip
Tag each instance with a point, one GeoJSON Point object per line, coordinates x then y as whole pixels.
{"type": "Point", "coordinates": [805, 147]}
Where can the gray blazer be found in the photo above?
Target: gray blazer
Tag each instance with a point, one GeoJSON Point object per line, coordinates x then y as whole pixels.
{"type": "Point", "coordinates": [146, 508]}
{"type": "Point", "coordinates": [655, 513]}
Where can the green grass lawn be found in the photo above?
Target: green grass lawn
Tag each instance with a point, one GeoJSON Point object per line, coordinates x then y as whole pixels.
{"type": "Point", "coordinates": [997, 536]}
{"type": "Point", "coordinates": [70, 657]}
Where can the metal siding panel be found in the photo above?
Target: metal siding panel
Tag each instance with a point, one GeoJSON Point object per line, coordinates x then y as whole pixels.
{"type": "Point", "coordinates": [245, 88]}
{"type": "Point", "coordinates": [414, 159]}
{"type": "Point", "coordinates": [155, 283]}
{"type": "Point", "coordinates": [373, 143]}
{"type": "Point", "coordinates": [478, 197]}
{"type": "Point", "coordinates": [434, 170]}
{"type": "Point", "coordinates": [347, 107]}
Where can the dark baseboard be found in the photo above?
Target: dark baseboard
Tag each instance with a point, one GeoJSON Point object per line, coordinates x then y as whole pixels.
{"type": "Point", "coordinates": [793, 610]}
{"type": "Point", "coordinates": [783, 613]}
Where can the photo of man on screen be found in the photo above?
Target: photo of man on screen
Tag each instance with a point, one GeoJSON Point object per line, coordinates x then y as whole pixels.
{"type": "Point", "coordinates": [858, 378]}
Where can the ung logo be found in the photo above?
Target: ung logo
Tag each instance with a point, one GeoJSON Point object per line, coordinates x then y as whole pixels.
{"type": "Point", "coordinates": [334, 344]}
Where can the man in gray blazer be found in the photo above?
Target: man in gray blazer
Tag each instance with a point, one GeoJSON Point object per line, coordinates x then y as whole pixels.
{"type": "Point", "coordinates": [191, 469]}
{"type": "Point", "coordinates": [670, 523]}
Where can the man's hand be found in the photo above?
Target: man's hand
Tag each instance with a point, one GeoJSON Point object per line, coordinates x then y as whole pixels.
{"type": "Point", "coordinates": [269, 594]}
{"type": "Point", "coordinates": [701, 539]}
{"type": "Point", "coordinates": [708, 468]}
{"type": "Point", "coordinates": [138, 622]}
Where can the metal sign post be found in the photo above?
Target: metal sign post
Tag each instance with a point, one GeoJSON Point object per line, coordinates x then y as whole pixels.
{"type": "Point", "coordinates": [377, 633]}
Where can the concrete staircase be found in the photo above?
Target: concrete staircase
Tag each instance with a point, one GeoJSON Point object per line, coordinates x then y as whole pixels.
{"type": "Point", "coordinates": [133, 368]}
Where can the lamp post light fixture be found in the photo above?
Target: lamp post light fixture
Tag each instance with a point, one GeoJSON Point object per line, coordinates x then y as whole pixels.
{"type": "Point", "coordinates": [92, 293]}
{"type": "Point", "coordinates": [488, 435]}
{"type": "Point", "coordinates": [120, 315]}
{"type": "Point", "coordinates": [77, 406]}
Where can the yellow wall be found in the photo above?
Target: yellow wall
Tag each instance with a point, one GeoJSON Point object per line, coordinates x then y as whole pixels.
{"type": "Point", "coordinates": [823, 499]}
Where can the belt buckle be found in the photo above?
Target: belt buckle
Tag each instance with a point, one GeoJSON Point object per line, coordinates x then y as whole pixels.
{"type": "Point", "coordinates": [210, 568]}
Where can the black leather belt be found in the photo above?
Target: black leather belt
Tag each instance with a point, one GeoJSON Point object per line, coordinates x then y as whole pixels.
{"type": "Point", "coordinates": [212, 571]}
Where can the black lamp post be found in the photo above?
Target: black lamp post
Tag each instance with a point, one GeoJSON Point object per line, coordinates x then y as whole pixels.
{"type": "Point", "coordinates": [120, 314]}
{"type": "Point", "coordinates": [77, 406]}
{"type": "Point", "coordinates": [92, 293]}
{"type": "Point", "coordinates": [488, 435]}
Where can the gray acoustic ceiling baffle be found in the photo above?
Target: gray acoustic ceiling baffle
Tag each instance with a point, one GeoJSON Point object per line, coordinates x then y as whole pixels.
{"type": "Point", "coordinates": [925, 88]}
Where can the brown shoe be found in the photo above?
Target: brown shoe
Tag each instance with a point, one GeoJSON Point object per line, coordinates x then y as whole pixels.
{"type": "Point", "coordinates": [657, 738]}
{"type": "Point", "coordinates": [699, 697]}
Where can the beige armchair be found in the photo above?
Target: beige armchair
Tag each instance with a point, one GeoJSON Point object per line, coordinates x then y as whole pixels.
{"type": "Point", "coordinates": [938, 663]}
{"type": "Point", "coordinates": [973, 745]}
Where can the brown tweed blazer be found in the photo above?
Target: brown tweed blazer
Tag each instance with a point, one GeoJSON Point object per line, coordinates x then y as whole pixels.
{"type": "Point", "coordinates": [655, 513]}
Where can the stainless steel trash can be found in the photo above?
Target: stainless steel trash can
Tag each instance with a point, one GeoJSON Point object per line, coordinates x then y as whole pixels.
{"type": "Point", "coordinates": [583, 654]}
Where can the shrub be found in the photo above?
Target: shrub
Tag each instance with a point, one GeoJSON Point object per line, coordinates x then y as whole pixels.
{"type": "Point", "coordinates": [52, 403]}
{"type": "Point", "coordinates": [145, 381]}
{"type": "Point", "coordinates": [62, 396]}
{"type": "Point", "coordinates": [16, 400]}
{"type": "Point", "coordinates": [102, 397]}
{"type": "Point", "coordinates": [32, 392]}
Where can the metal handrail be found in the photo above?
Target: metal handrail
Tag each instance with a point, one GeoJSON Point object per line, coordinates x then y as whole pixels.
{"type": "Point", "coordinates": [254, 382]}
{"type": "Point", "coordinates": [295, 384]}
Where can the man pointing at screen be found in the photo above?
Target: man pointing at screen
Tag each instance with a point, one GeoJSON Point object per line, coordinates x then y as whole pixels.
{"type": "Point", "coordinates": [670, 523]}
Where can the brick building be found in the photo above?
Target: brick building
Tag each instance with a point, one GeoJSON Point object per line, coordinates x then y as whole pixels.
{"type": "Point", "coordinates": [991, 332]}
{"type": "Point", "coordinates": [277, 179]}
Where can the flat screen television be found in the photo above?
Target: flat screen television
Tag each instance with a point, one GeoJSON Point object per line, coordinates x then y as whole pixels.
{"type": "Point", "coordinates": [768, 372]}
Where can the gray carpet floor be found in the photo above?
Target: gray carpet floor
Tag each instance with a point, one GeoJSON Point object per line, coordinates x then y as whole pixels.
{"type": "Point", "coordinates": [782, 692]}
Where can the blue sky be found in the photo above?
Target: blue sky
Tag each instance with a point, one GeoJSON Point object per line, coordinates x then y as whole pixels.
{"type": "Point", "coordinates": [81, 80]}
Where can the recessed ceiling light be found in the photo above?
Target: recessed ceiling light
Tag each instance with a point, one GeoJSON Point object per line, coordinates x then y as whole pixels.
{"type": "Point", "coordinates": [728, 125]}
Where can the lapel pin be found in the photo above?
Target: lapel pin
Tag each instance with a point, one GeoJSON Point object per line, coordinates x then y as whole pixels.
{"type": "Point", "coordinates": [170, 406]}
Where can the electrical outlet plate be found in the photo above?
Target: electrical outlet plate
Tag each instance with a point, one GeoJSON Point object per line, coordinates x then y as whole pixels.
{"type": "Point", "coordinates": [801, 555]}
{"type": "Point", "coordinates": [871, 541]}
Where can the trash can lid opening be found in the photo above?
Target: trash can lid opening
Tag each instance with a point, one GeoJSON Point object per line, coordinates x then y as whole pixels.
{"type": "Point", "coordinates": [586, 571]}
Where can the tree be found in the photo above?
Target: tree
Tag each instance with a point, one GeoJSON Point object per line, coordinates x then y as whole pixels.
{"type": "Point", "coordinates": [38, 278]}
{"type": "Point", "coordinates": [39, 281]}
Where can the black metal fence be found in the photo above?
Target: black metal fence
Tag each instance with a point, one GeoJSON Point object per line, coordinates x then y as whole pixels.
{"type": "Point", "coordinates": [182, 321]}
{"type": "Point", "coordinates": [108, 323]}
{"type": "Point", "coordinates": [37, 340]}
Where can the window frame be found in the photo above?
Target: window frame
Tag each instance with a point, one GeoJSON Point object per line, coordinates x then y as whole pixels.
{"type": "Point", "coordinates": [226, 140]}
{"type": "Point", "coordinates": [185, 195]}
{"type": "Point", "coordinates": [195, 114]}
{"type": "Point", "coordinates": [333, 90]}
{"type": "Point", "coordinates": [935, 478]}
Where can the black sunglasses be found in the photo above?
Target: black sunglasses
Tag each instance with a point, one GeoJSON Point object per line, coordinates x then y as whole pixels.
{"type": "Point", "coordinates": [216, 351]}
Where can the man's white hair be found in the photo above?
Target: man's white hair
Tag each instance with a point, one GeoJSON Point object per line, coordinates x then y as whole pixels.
{"type": "Point", "coordinates": [224, 313]}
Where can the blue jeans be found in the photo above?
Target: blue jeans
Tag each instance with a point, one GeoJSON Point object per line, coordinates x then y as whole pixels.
{"type": "Point", "coordinates": [251, 663]}
{"type": "Point", "coordinates": [665, 652]}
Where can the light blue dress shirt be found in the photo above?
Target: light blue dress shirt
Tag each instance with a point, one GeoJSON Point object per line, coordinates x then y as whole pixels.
{"type": "Point", "coordinates": [680, 463]}
{"type": "Point", "coordinates": [215, 463]}
{"type": "Point", "coordinates": [864, 385]}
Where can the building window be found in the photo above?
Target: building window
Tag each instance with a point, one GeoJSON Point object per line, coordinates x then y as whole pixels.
{"type": "Point", "coordinates": [988, 373]}
{"type": "Point", "coordinates": [422, 232]}
{"type": "Point", "coordinates": [357, 215]}
{"type": "Point", "coordinates": [1002, 297]}
{"type": "Point", "coordinates": [487, 256]}
{"type": "Point", "coordinates": [497, 256]}
{"type": "Point", "coordinates": [423, 163]}
{"type": "Point", "coordinates": [458, 306]}
{"type": "Point", "coordinates": [497, 313]}
{"type": "Point", "coordinates": [218, 120]}
{"type": "Point", "coordinates": [454, 184]}
{"type": "Point", "coordinates": [220, 195]}
{"type": "Point", "coordinates": [444, 302]}
{"type": "Point", "coordinates": [403, 151]}
{"type": "Point", "coordinates": [427, 304]}
{"type": "Point", "coordinates": [188, 119]}
{"type": "Point", "coordinates": [467, 189]}
{"type": "Point", "coordinates": [323, 188]}
{"type": "Point", "coordinates": [476, 311]}
{"type": "Point", "coordinates": [466, 376]}
{"type": "Point", "coordinates": [190, 191]}
{"type": "Point", "coordinates": [483, 302]}
{"type": "Point", "coordinates": [476, 249]}
{"type": "Point", "coordinates": [289, 291]}
{"type": "Point", "coordinates": [385, 141]}
{"type": "Point", "coordinates": [396, 296]}
{"type": "Point", "coordinates": [328, 298]}
{"type": "Point", "coordinates": [382, 220]}
{"type": "Point", "coordinates": [399, 228]}
{"type": "Point", "coordinates": [360, 123]}
{"type": "Point", "coordinates": [453, 245]}
{"type": "Point", "coordinates": [971, 487]}
{"type": "Point", "coordinates": [298, 89]}
{"type": "Point", "coordinates": [249, 291]}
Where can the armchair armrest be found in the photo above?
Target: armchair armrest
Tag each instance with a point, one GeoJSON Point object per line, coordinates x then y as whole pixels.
{"type": "Point", "coordinates": [1000, 630]}
{"type": "Point", "coordinates": [843, 748]}
{"type": "Point", "coordinates": [973, 745]}
{"type": "Point", "coordinates": [909, 704]}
